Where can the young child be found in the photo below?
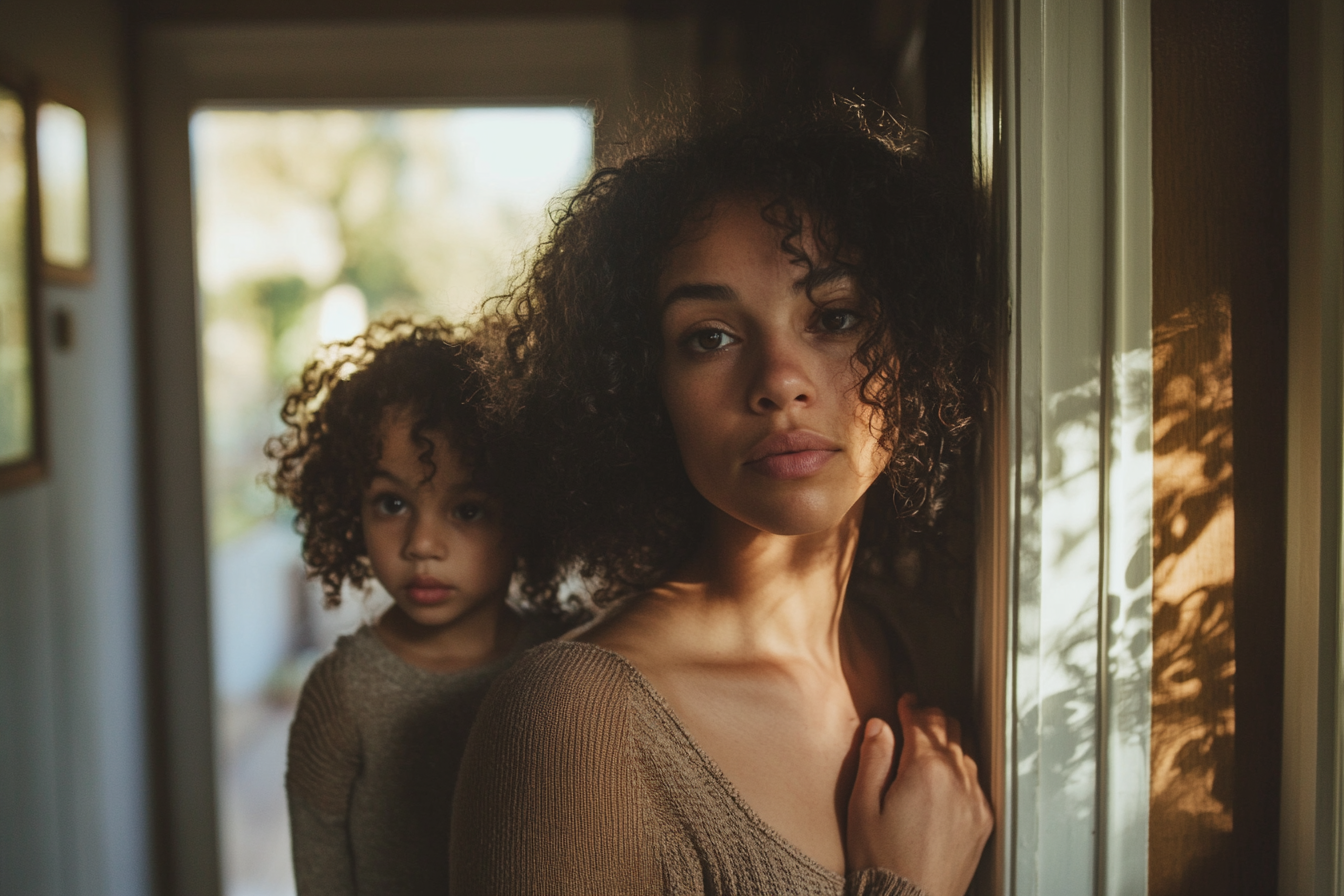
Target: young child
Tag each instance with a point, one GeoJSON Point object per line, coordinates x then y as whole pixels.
{"type": "Point", "coordinates": [384, 462]}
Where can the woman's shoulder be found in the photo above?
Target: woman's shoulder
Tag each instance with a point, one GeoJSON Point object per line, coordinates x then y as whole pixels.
{"type": "Point", "coordinates": [559, 674]}
{"type": "Point", "coordinates": [560, 698]}
{"type": "Point", "coordinates": [549, 797]}
{"type": "Point", "coordinates": [561, 714]}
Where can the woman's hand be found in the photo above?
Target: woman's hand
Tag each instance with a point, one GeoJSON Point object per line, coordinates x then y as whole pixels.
{"type": "Point", "coordinates": [931, 825]}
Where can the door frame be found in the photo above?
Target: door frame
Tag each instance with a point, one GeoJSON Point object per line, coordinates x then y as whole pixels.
{"type": "Point", "coordinates": [1311, 859]}
{"type": "Point", "coordinates": [553, 61]}
{"type": "Point", "coordinates": [1061, 112]}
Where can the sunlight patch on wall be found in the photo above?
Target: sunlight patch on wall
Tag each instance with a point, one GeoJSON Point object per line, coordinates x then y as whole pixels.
{"type": "Point", "coordinates": [1194, 662]}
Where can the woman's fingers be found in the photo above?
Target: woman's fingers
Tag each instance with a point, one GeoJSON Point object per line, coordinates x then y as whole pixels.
{"type": "Point", "coordinates": [876, 753]}
{"type": "Point", "coordinates": [931, 824]}
{"type": "Point", "coordinates": [906, 707]}
{"type": "Point", "coordinates": [915, 723]}
{"type": "Point", "coordinates": [866, 837]}
{"type": "Point", "coordinates": [928, 724]}
{"type": "Point", "coordinates": [972, 770]}
{"type": "Point", "coordinates": [954, 731]}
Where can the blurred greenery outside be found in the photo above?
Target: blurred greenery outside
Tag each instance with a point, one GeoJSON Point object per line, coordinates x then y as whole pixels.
{"type": "Point", "coordinates": [311, 223]}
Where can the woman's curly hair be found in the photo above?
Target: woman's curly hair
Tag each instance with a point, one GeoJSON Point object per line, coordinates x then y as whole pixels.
{"type": "Point", "coordinates": [326, 457]}
{"type": "Point", "coordinates": [572, 367]}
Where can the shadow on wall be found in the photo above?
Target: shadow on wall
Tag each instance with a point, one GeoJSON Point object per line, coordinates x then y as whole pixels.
{"type": "Point", "coordinates": [1193, 649]}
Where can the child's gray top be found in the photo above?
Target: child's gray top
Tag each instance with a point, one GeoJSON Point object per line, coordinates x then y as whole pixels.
{"type": "Point", "coordinates": [373, 756]}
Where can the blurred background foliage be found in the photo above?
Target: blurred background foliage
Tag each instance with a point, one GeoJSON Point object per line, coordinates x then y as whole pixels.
{"type": "Point", "coordinates": [310, 223]}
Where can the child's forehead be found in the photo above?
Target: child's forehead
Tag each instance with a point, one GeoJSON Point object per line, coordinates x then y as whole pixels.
{"type": "Point", "coordinates": [404, 435]}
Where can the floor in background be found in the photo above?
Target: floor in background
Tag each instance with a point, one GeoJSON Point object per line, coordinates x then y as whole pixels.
{"type": "Point", "coordinates": [256, 856]}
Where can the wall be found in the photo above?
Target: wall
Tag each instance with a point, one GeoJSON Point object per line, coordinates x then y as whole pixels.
{"type": "Point", "coordinates": [73, 795]}
{"type": "Point", "coordinates": [1220, 283]}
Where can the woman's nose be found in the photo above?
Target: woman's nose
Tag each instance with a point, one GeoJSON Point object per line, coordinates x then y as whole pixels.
{"type": "Point", "coordinates": [781, 377]}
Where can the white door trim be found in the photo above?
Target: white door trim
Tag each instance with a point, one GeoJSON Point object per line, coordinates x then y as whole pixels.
{"type": "Point", "coordinates": [1065, 111]}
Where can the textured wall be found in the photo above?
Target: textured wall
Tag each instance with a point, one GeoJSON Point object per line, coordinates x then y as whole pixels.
{"type": "Point", "coordinates": [73, 801]}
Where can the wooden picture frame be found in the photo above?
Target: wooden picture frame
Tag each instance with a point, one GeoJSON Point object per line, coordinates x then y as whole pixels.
{"type": "Point", "coordinates": [22, 417]}
{"type": "Point", "coordinates": [61, 162]}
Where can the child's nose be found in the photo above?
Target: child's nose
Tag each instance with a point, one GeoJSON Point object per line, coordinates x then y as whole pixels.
{"type": "Point", "coordinates": [426, 541]}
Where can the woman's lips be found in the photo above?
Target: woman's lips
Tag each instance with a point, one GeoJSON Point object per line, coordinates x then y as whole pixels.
{"type": "Point", "coordinates": [791, 455]}
{"type": "Point", "coordinates": [428, 591]}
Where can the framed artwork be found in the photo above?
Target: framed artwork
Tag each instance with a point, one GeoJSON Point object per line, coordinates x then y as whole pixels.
{"type": "Point", "coordinates": [62, 164]}
{"type": "Point", "coordinates": [22, 455]}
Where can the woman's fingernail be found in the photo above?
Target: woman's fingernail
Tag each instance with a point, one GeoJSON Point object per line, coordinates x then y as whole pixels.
{"type": "Point", "coordinates": [873, 727]}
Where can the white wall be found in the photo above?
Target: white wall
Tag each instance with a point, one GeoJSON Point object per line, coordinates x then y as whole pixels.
{"type": "Point", "coordinates": [73, 784]}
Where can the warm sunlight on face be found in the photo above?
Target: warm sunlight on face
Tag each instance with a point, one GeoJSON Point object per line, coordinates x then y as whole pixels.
{"type": "Point", "coordinates": [759, 379]}
{"type": "Point", "coordinates": [438, 546]}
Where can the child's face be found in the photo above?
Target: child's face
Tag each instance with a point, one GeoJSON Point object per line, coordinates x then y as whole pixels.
{"type": "Point", "coordinates": [759, 378]}
{"type": "Point", "coordinates": [438, 546]}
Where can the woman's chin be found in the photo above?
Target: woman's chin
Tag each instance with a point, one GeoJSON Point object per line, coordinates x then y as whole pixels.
{"type": "Point", "coordinates": [794, 517]}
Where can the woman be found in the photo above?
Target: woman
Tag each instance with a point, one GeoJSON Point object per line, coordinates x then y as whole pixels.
{"type": "Point", "coordinates": [740, 361]}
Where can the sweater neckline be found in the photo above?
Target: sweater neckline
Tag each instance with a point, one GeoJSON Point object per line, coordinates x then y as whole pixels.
{"type": "Point", "coordinates": [707, 761]}
{"type": "Point", "coordinates": [397, 667]}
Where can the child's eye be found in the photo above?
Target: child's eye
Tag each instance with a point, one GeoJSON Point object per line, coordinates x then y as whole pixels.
{"type": "Point", "coordinates": [389, 504]}
{"type": "Point", "coordinates": [838, 320]}
{"type": "Point", "coordinates": [708, 340]}
{"type": "Point", "coordinates": [469, 511]}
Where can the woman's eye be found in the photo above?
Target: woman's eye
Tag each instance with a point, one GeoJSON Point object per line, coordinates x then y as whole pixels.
{"type": "Point", "coordinates": [708, 340]}
{"type": "Point", "coordinates": [390, 505]}
{"type": "Point", "coordinates": [838, 320]}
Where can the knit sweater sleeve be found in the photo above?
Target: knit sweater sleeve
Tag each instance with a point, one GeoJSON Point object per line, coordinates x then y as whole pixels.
{"type": "Point", "coordinates": [549, 797]}
{"type": "Point", "coordinates": [320, 774]}
{"type": "Point", "coordinates": [879, 882]}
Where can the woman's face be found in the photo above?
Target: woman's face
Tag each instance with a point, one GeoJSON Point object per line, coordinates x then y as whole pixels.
{"type": "Point", "coordinates": [759, 379]}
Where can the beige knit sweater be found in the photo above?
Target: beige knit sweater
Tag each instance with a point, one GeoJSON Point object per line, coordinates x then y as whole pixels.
{"type": "Point", "coordinates": [579, 779]}
{"type": "Point", "coordinates": [373, 756]}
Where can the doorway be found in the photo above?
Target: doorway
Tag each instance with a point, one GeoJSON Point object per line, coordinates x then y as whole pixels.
{"type": "Point", "coordinates": [390, 102]}
{"type": "Point", "coordinates": [309, 224]}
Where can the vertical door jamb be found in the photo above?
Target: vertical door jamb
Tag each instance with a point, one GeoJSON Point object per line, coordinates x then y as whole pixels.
{"type": "Point", "coordinates": [1061, 131]}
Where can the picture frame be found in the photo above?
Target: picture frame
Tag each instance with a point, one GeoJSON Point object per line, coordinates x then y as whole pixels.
{"type": "Point", "coordinates": [23, 456]}
{"type": "Point", "coordinates": [61, 162]}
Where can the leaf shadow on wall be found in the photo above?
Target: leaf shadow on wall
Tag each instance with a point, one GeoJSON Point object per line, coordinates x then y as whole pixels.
{"type": "Point", "coordinates": [1194, 663]}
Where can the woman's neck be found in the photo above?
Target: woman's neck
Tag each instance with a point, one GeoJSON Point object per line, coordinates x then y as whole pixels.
{"type": "Point", "coordinates": [753, 594]}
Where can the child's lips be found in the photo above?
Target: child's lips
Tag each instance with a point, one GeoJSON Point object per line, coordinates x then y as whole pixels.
{"type": "Point", "coordinates": [428, 591]}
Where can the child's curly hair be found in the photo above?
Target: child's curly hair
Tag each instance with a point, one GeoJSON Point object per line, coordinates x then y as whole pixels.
{"type": "Point", "coordinates": [572, 369]}
{"type": "Point", "coordinates": [325, 458]}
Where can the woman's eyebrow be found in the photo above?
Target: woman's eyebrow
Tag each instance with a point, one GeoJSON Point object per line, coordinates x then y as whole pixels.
{"type": "Point", "coordinates": [713, 291]}
{"type": "Point", "coordinates": [819, 277]}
